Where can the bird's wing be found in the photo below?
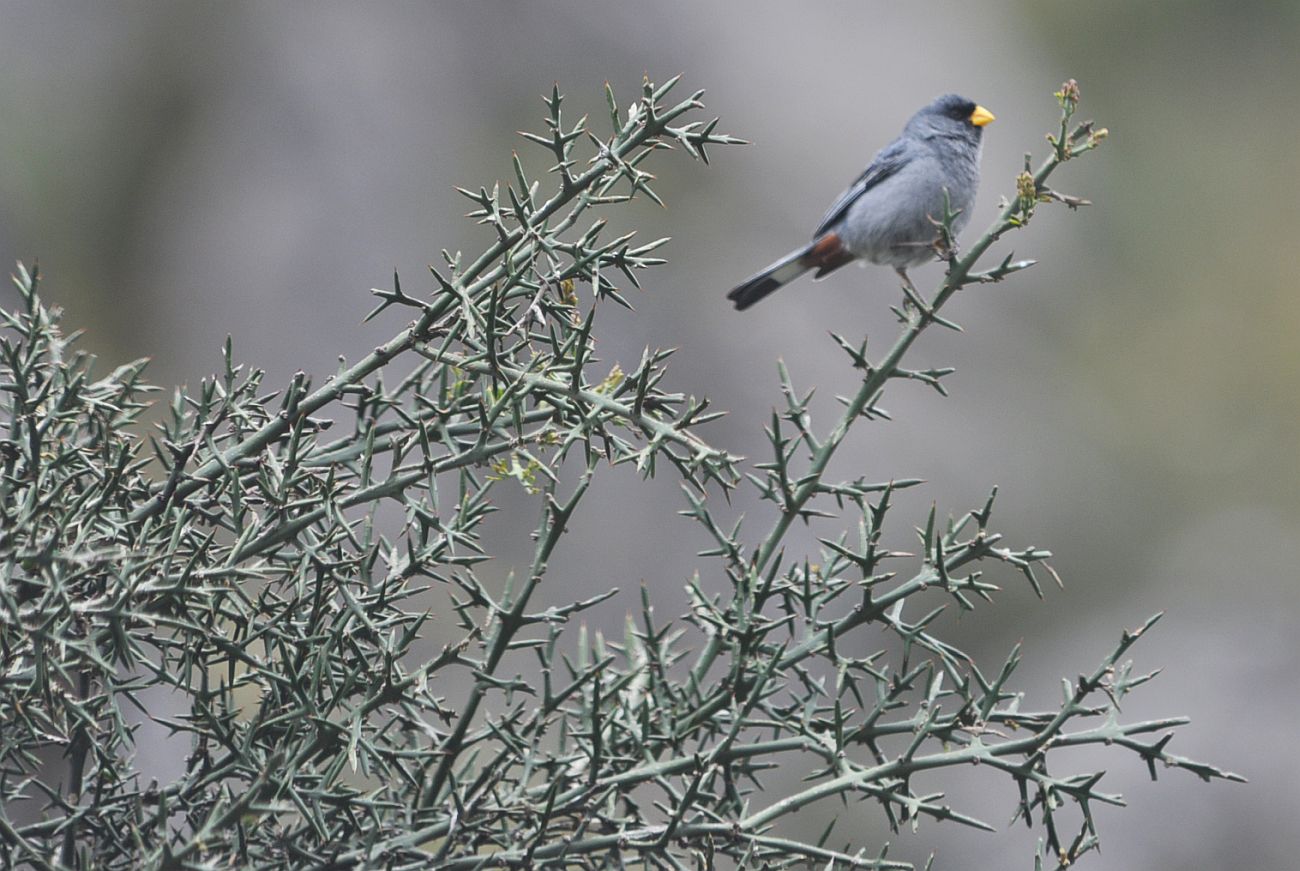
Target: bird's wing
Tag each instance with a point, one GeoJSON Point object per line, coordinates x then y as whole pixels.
{"type": "Point", "coordinates": [890, 160]}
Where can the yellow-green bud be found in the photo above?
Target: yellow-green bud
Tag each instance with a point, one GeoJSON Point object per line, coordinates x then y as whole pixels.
{"type": "Point", "coordinates": [1027, 191]}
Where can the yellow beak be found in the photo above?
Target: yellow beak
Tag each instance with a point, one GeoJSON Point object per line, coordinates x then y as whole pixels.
{"type": "Point", "coordinates": [981, 116]}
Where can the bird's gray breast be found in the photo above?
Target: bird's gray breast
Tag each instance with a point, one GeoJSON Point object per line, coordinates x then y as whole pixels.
{"type": "Point", "coordinates": [893, 223]}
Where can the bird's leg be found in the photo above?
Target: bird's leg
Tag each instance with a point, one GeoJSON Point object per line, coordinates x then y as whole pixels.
{"type": "Point", "coordinates": [924, 311]}
{"type": "Point", "coordinates": [907, 282]}
{"type": "Point", "coordinates": [910, 291]}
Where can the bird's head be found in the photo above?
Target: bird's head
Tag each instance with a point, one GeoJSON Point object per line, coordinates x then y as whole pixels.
{"type": "Point", "coordinates": [952, 116]}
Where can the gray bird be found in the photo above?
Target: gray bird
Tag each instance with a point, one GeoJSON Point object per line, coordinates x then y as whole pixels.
{"type": "Point", "coordinates": [888, 215]}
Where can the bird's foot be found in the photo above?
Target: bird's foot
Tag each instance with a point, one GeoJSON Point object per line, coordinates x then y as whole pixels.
{"type": "Point", "coordinates": [947, 250]}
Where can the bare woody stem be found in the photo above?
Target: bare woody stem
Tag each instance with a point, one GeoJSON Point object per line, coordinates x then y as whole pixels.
{"type": "Point", "coordinates": [79, 747]}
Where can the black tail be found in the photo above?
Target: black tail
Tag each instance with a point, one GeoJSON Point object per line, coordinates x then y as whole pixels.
{"type": "Point", "coordinates": [772, 279]}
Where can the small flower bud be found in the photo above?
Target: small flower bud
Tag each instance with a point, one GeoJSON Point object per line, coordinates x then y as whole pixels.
{"type": "Point", "coordinates": [612, 380]}
{"type": "Point", "coordinates": [567, 293]}
{"type": "Point", "coordinates": [1026, 191]}
{"type": "Point", "coordinates": [1068, 96]}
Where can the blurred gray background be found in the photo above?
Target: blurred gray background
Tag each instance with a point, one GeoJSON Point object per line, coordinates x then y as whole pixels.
{"type": "Point", "coordinates": [187, 171]}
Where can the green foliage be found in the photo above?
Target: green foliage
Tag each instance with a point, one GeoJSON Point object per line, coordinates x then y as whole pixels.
{"type": "Point", "coordinates": [230, 579]}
